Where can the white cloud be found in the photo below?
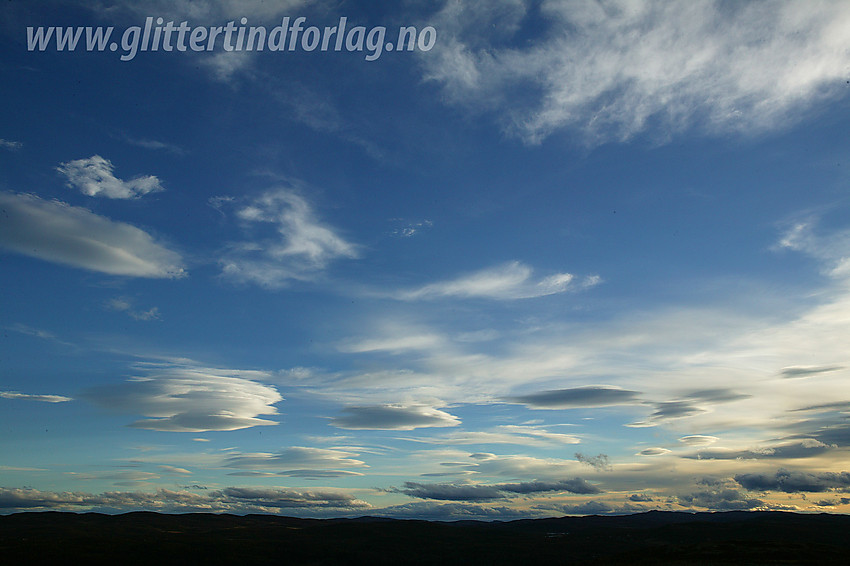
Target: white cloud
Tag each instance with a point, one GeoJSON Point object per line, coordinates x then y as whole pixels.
{"type": "Point", "coordinates": [300, 247]}
{"type": "Point", "coordinates": [506, 281]}
{"type": "Point", "coordinates": [93, 177]}
{"type": "Point", "coordinates": [28, 397]}
{"type": "Point", "coordinates": [70, 235]}
{"type": "Point", "coordinates": [614, 68]}
{"type": "Point", "coordinates": [182, 397]}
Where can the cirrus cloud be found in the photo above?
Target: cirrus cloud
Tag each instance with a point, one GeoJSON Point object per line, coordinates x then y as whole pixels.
{"type": "Point", "coordinates": [610, 70]}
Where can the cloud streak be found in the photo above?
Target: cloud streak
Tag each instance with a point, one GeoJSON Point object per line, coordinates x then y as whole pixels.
{"type": "Point", "coordinates": [507, 281]}
{"type": "Point", "coordinates": [29, 397]}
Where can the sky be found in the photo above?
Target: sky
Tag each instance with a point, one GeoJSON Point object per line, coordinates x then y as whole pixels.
{"type": "Point", "coordinates": [542, 258]}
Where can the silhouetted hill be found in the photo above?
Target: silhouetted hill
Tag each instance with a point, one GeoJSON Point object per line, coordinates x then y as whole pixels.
{"type": "Point", "coordinates": [647, 538]}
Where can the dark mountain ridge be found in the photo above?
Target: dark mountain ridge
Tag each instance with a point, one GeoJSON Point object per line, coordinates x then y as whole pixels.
{"type": "Point", "coordinates": [656, 537]}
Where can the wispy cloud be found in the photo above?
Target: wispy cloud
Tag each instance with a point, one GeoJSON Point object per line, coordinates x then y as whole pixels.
{"type": "Point", "coordinates": [400, 342]}
{"type": "Point", "coordinates": [70, 235]}
{"type": "Point", "coordinates": [29, 331]}
{"type": "Point", "coordinates": [610, 70]}
{"type": "Point", "coordinates": [507, 281]}
{"type": "Point", "coordinates": [93, 177]}
{"type": "Point", "coordinates": [28, 397]}
{"type": "Point", "coordinates": [300, 247]}
{"type": "Point", "coordinates": [125, 305]}
{"type": "Point", "coordinates": [184, 397]}
{"type": "Point", "coordinates": [155, 145]}
{"type": "Point", "coordinates": [12, 145]}
{"type": "Point", "coordinates": [408, 229]}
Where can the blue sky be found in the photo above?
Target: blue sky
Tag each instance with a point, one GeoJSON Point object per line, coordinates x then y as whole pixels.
{"type": "Point", "coordinates": [572, 257]}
